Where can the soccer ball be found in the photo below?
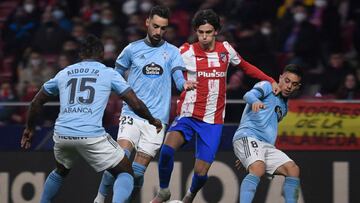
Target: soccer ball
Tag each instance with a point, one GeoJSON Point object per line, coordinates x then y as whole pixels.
{"type": "Point", "coordinates": [175, 201]}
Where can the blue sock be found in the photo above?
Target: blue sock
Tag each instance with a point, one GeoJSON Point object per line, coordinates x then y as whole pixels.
{"type": "Point", "coordinates": [248, 188]}
{"type": "Point", "coordinates": [51, 187]}
{"type": "Point", "coordinates": [106, 183]}
{"type": "Point", "coordinates": [166, 165]}
{"type": "Point", "coordinates": [127, 153]}
{"type": "Point", "coordinates": [291, 189]}
{"type": "Point", "coordinates": [123, 187]}
{"type": "Point", "coordinates": [197, 183]}
{"type": "Point", "coordinates": [139, 171]}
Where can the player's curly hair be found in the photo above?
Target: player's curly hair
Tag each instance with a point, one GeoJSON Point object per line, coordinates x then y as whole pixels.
{"type": "Point", "coordinates": [91, 47]}
{"type": "Point", "coordinates": [161, 11]}
{"type": "Point", "coordinates": [206, 16]}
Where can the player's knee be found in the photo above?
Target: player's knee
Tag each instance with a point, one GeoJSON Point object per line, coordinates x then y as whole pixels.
{"type": "Point", "coordinates": [123, 167]}
{"type": "Point", "coordinates": [292, 169]}
{"type": "Point", "coordinates": [166, 153]}
{"type": "Point", "coordinates": [257, 168]}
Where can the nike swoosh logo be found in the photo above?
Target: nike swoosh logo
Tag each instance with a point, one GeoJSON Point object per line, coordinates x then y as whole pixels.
{"type": "Point", "coordinates": [199, 59]}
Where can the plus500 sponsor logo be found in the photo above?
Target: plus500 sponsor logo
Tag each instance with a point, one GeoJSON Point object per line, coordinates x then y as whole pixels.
{"type": "Point", "coordinates": [213, 74]}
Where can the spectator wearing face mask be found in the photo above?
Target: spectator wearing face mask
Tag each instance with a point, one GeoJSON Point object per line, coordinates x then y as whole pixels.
{"type": "Point", "coordinates": [298, 38]}
{"type": "Point", "coordinates": [105, 24]}
{"type": "Point", "coordinates": [110, 51]}
{"type": "Point", "coordinates": [61, 18]}
{"type": "Point", "coordinates": [20, 26]}
{"type": "Point", "coordinates": [326, 19]}
{"type": "Point", "coordinates": [34, 71]}
{"type": "Point", "coordinates": [49, 37]}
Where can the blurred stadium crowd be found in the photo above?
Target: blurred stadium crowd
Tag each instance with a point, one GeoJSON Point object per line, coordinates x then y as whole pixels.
{"type": "Point", "coordinates": [40, 37]}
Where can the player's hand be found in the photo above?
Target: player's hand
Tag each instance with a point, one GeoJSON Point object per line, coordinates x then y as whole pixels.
{"type": "Point", "coordinates": [275, 88]}
{"type": "Point", "coordinates": [257, 106]}
{"type": "Point", "coordinates": [157, 123]}
{"type": "Point", "coordinates": [238, 165]}
{"type": "Point", "coordinates": [26, 138]}
{"type": "Point", "coordinates": [190, 85]}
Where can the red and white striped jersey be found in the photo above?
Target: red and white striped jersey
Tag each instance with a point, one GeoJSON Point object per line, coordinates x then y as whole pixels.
{"type": "Point", "coordinates": [209, 69]}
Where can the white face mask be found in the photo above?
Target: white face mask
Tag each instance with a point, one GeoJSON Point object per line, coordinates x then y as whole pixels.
{"type": "Point", "coordinates": [106, 21]}
{"type": "Point", "coordinates": [320, 3]}
{"type": "Point", "coordinates": [299, 17]}
{"type": "Point", "coordinates": [29, 7]}
{"type": "Point", "coordinates": [145, 6]}
{"type": "Point", "coordinates": [35, 62]}
{"type": "Point", "coordinates": [109, 47]}
{"type": "Point", "coordinates": [94, 17]}
{"type": "Point", "coordinates": [58, 14]}
{"type": "Point", "coordinates": [129, 7]}
{"type": "Point", "coordinates": [265, 31]}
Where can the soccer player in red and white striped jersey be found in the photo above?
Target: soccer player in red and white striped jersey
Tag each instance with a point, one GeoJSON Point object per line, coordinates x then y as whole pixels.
{"type": "Point", "coordinates": [201, 111]}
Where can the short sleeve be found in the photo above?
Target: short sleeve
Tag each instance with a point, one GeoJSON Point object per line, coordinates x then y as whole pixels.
{"type": "Point", "coordinates": [123, 61]}
{"type": "Point", "coordinates": [264, 87]}
{"type": "Point", "coordinates": [235, 58]}
{"type": "Point", "coordinates": [51, 86]}
{"type": "Point", "coordinates": [118, 83]}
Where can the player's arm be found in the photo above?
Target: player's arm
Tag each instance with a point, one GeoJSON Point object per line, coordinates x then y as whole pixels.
{"type": "Point", "coordinates": [255, 95]}
{"type": "Point", "coordinates": [254, 72]}
{"type": "Point", "coordinates": [140, 108]}
{"type": "Point", "coordinates": [34, 111]}
{"type": "Point", "coordinates": [180, 82]}
{"type": "Point", "coordinates": [123, 61]}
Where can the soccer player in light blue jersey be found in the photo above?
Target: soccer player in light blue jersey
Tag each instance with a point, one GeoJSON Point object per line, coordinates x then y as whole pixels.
{"type": "Point", "coordinates": [151, 64]}
{"type": "Point", "coordinates": [254, 140]}
{"type": "Point", "coordinates": [84, 90]}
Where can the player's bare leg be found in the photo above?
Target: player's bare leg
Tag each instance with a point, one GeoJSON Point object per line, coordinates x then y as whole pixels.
{"type": "Point", "coordinates": [173, 142]}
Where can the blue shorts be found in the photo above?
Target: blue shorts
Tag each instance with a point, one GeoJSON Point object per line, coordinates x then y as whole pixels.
{"type": "Point", "coordinates": [208, 136]}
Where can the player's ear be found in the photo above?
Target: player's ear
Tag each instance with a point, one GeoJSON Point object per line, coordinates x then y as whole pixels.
{"type": "Point", "coordinates": [147, 22]}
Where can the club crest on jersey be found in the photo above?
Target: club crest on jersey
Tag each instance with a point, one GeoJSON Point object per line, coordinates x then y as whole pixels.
{"type": "Point", "coordinates": [152, 70]}
{"type": "Point", "coordinates": [223, 56]}
{"type": "Point", "coordinates": [165, 55]}
{"type": "Point", "coordinates": [278, 112]}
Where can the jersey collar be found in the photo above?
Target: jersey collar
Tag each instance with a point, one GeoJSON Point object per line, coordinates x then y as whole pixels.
{"type": "Point", "coordinates": [151, 45]}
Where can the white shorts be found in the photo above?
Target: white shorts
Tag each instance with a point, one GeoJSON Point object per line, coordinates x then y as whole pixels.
{"type": "Point", "coordinates": [248, 150]}
{"type": "Point", "coordinates": [100, 152]}
{"type": "Point", "coordinates": [141, 134]}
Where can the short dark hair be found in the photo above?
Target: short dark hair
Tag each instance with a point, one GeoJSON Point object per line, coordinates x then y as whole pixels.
{"type": "Point", "coordinates": [91, 47]}
{"type": "Point", "coordinates": [206, 16]}
{"type": "Point", "coordinates": [294, 68]}
{"type": "Point", "coordinates": [161, 11]}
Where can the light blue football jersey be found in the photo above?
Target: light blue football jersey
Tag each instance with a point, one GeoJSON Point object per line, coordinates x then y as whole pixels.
{"type": "Point", "coordinates": [150, 72]}
{"type": "Point", "coordinates": [262, 125]}
{"type": "Point", "coordinates": [84, 89]}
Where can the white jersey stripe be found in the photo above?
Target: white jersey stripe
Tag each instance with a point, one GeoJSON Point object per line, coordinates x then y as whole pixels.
{"type": "Point", "coordinates": [212, 99]}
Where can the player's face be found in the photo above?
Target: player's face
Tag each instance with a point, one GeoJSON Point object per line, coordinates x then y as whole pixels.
{"type": "Point", "coordinates": [206, 35]}
{"type": "Point", "coordinates": [156, 28]}
{"type": "Point", "coordinates": [288, 83]}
